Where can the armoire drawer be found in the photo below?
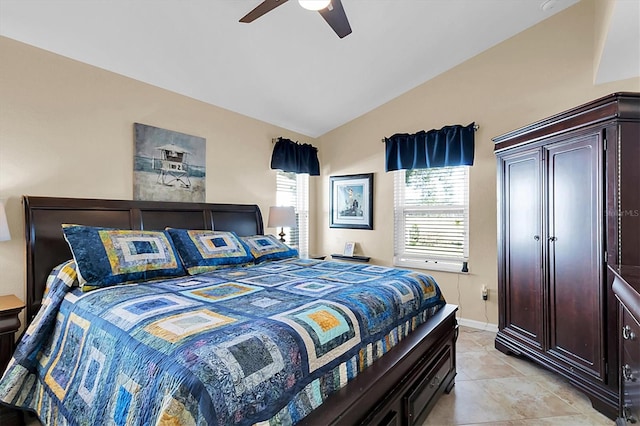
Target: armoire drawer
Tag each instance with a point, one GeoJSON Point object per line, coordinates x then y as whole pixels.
{"type": "Point", "coordinates": [630, 367]}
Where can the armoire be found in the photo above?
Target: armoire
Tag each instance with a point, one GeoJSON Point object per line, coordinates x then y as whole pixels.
{"type": "Point", "coordinates": [569, 205]}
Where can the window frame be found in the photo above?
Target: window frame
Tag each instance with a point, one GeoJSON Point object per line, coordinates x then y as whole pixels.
{"type": "Point", "coordinates": [429, 262]}
{"type": "Point", "coordinates": [301, 205]}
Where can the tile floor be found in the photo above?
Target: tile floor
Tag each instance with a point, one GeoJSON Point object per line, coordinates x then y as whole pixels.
{"type": "Point", "coordinates": [500, 390]}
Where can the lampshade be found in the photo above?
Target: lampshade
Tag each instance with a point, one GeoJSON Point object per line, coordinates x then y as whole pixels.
{"type": "Point", "coordinates": [282, 216]}
{"type": "Point", "coordinates": [4, 226]}
{"type": "Point", "coordinates": [314, 4]}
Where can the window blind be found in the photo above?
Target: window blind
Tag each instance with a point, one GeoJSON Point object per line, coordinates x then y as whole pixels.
{"type": "Point", "coordinates": [431, 217]}
{"type": "Point", "coordinates": [293, 190]}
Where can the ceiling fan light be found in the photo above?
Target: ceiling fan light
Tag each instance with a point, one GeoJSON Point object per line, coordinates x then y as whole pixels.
{"type": "Point", "coordinates": [314, 4]}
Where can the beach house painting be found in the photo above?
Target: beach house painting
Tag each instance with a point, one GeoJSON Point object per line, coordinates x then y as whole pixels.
{"type": "Point", "coordinates": [168, 165]}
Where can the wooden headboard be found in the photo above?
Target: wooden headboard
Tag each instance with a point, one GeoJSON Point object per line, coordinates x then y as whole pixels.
{"type": "Point", "coordinates": [47, 248]}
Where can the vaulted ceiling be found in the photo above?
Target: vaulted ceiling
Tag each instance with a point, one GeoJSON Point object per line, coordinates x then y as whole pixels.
{"type": "Point", "coordinates": [287, 68]}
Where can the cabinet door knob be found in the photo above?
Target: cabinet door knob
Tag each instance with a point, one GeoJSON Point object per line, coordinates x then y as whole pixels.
{"type": "Point", "coordinates": [628, 415]}
{"type": "Point", "coordinates": [536, 237]}
{"type": "Point", "coordinates": [627, 373]}
{"type": "Point", "coordinates": [627, 334]}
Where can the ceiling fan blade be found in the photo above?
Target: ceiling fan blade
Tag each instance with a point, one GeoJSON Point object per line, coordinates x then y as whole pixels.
{"type": "Point", "coordinates": [336, 18]}
{"type": "Point", "coordinates": [261, 9]}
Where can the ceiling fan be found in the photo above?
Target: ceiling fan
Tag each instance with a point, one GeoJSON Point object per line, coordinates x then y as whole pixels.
{"type": "Point", "coordinates": [331, 10]}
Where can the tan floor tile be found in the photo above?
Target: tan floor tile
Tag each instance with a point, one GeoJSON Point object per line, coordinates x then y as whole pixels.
{"type": "Point", "coordinates": [503, 390]}
{"type": "Point", "coordinates": [484, 365]}
{"type": "Point", "coordinates": [468, 403]}
{"type": "Point", "coordinates": [575, 420]}
{"type": "Point", "coordinates": [466, 343]}
{"type": "Point", "coordinates": [561, 387]}
{"type": "Point", "coordinates": [523, 365]}
{"type": "Point", "coordinates": [529, 399]}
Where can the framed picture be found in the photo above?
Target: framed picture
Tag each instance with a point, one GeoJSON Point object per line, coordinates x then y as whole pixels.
{"type": "Point", "coordinates": [168, 165]}
{"type": "Point", "coordinates": [349, 247]}
{"type": "Point", "coordinates": [351, 201]}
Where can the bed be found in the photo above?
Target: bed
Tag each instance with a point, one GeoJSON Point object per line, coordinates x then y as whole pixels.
{"type": "Point", "coordinates": [393, 375]}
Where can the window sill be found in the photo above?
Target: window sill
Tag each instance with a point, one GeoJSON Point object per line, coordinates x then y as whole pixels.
{"type": "Point", "coordinates": [454, 267]}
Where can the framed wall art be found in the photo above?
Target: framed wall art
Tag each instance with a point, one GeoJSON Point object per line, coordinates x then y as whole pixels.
{"type": "Point", "coordinates": [351, 201]}
{"type": "Point", "coordinates": [168, 165]}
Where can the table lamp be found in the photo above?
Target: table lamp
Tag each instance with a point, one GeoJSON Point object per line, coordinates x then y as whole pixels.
{"type": "Point", "coordinates": [283, 217]}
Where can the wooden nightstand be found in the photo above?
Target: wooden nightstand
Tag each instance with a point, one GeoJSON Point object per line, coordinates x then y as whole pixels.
{"type": "Point", "coordinates": [10, 307]}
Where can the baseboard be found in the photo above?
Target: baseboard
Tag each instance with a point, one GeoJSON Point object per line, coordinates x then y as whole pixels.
{"type": "Point", "coordinates": [485, 326]}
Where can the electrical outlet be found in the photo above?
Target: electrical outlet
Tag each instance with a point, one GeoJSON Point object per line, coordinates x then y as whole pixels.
{"type": "Point", "coordinates": [485, 292]}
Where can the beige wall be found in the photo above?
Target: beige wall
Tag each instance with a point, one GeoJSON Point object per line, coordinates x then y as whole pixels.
{"type": "Point", "coordinates": [66, 129]}
{"type": "Point", "coordinates": [542, 71]}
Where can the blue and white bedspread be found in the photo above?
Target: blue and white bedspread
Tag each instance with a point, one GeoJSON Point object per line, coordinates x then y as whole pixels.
{"type": "Point", "coordinates": [266, 343]}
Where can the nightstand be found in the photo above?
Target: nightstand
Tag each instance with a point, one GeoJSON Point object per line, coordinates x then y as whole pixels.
{"type": "Point", "coordinates": [10, 307]}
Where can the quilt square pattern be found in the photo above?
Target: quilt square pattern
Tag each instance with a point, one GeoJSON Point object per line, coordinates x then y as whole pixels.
{"type": "Point", "coordinates": [128, 314]}
{"type": "Point", "coordinates": [264, 303]}
{"type": "Point", "coordinates": [333, 265]}
{"type": "Point", "coordinates": [221, 292]}
{"type": "Point", "coordinates": [403, 291]}
{"type": "Point", "coordinates": [64, 367]}
{"type": "Point", "coordinates": [350, 277]}
{"type": "Point", "coordinates": [108, 257]}
{"type": "Point", "coordinates": [180, 326]}
{"type": "Point", "coordinates": [252, 359]}
{"type": "Point", "coordinates": [205, 250]}
{"type": "Point", "coordinates": [311, 288]}
{"type": "Point", "coordinates": [328, 329]}
{"type": "Point", "coordinates": [126, 400]}
{"type": "Point", "coordinates": [268, 247]}
{"type": "Point", "coordinates": [269, 280]}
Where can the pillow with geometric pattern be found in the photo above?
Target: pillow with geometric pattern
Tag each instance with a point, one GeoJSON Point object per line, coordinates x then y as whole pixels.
{"type": "Point", "coordinates": [107, 256]}
{"type": "Point", "coordinates": [206, 250]}
{"type": "Point", "coordinates": [268, 247]}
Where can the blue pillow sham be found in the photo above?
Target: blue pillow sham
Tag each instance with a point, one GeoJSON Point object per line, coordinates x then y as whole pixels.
{"type": "Point", "coordinates": [268, 247]}
{"type": "Point", "coordinates": [107, 257]}
{"type": "Point", "coordinates": [204, 250]}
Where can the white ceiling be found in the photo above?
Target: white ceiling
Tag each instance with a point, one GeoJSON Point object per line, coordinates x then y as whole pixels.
{"type": "Point", "coordinates": [287, 68]}
{"type": "Point", "coordinates": [620, 58]}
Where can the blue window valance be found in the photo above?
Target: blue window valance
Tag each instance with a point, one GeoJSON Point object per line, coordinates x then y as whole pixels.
{"type": "Point", "coordinates": [294, 157]}
{"type": "Point", "coordinates": [449, 146]}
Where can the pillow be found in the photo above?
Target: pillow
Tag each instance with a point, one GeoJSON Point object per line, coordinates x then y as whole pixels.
{"type": "Point", "coordinates": [107, 257]}
{"type": "Point", "coordinates": [268, 247]}
{"type": "Point", "coordinates": [203, 251]}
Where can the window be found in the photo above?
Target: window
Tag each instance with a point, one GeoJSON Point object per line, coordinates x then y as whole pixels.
{"type": "Point", "coordinates": [293, 190]}
{"type": "Point", "coordinates": [431, 218]}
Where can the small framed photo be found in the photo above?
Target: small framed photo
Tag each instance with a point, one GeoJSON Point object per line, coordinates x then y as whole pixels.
{"type": "Point", "coordinates": [351, 201]}
{"type": "Point", "coordinates": [349, 248]}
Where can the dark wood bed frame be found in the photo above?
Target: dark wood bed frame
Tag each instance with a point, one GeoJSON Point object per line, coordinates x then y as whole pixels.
{"type": "Point", "coordinates": [398, 389]}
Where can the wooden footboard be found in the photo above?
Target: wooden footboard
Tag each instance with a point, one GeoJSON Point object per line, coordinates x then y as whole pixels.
{"type": "Point", "coordinates": [402, 386]}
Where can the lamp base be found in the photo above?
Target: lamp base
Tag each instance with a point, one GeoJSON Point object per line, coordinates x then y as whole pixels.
{"type": "Point", "coordinates": [282, 234]}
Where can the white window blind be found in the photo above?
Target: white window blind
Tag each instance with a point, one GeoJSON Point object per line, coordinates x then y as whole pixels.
{"type": "Point", "coordinates": [431, 218]}
{"type": "Point", "coordinates": [293, 190]}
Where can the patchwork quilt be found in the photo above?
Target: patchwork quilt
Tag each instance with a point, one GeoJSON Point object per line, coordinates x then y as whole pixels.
{"type": "Point", "coordinates": [264, 344]}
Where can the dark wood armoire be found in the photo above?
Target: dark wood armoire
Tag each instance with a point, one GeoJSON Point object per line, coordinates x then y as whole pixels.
{"type": "Point", "coordinates": [568, 205]}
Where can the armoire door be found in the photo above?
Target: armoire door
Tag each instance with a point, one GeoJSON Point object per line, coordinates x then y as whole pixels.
{"type": "Point", "coordinates": [522, 262]}
{"type": "Point", "coordinates": [575, 252]}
